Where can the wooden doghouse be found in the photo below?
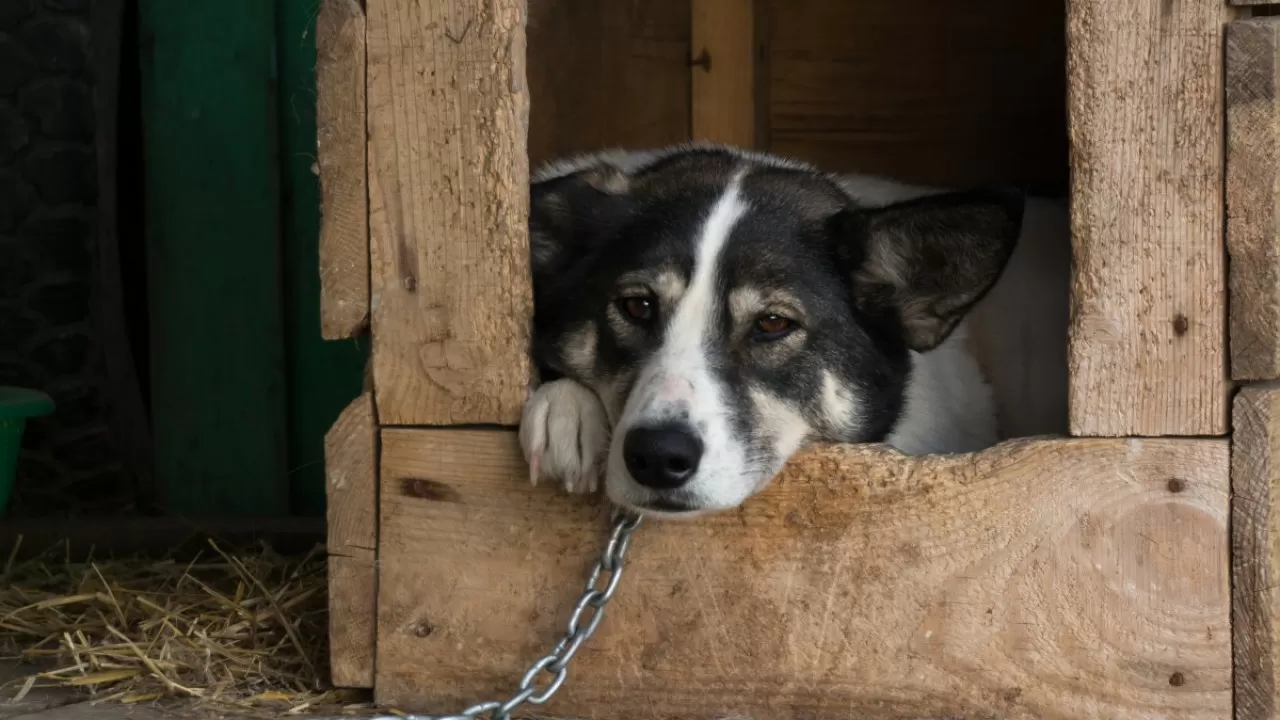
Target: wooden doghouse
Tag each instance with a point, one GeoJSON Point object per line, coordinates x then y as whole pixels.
{"type": "Point", "coordinates": [1128, 571]}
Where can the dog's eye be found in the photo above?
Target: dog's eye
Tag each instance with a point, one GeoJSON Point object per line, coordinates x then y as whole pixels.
{"type": "Point", "coordinates": [772, 327]}
{"type": "Point", "coordinates": [639, 309]}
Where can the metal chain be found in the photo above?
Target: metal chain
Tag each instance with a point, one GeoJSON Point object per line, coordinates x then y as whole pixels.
{"type": "Point", "coordinates": [602, 583]}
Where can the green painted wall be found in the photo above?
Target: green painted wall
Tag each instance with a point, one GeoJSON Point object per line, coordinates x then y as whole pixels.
{"type": "Point", "coordinates": [243, 387]}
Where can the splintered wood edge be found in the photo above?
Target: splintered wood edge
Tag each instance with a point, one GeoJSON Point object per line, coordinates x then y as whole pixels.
{"type": "Point", "coordinates": [476, 569]}
{"type": "Point", "coordinates": [1253, 178]}
{"type": "Point", "coordinates": [340, 140]}
{"type": "Point", "coordinates": [1255, 550]}
{"type": "Point", "coordinates": [350, 453]}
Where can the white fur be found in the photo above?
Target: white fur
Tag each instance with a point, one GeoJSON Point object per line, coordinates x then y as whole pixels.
{"type": "Point", "coordinates": [949, 407]}
{"type": "Point", "coordinates": [678, 382]}
{"type": "Point", "coordinates": [565, 435]}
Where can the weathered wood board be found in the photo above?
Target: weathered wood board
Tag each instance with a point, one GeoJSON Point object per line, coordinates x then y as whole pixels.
{"type": "Point", "coordinates": [351, 462]}
{"type": "Point", "coordinates": [1255, 550]}
{"type": "Point", "coordinates": [1047, 579]}
{"type": "Point", "coordinates": [1147, 352]}
{"type": "Point", "coordinates": [1253, 196]}
{"type": "Point", "coordinates": [607, 74]}
{"type": "Point", "coordinates": [725, 106]}
{"type": "Point", "coordinates": [340, 140]}
{"type": "Point", "coordinates": [448, 210]}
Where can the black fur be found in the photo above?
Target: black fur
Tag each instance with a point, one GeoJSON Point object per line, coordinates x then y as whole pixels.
{"type": "Point", "coordinates": [802, 236]}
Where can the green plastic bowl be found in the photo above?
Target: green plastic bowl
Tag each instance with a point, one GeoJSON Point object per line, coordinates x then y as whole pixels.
{"type": "Point", "coordinates": [16, 405]}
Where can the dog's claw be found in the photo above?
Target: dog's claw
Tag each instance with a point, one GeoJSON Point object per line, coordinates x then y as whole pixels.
{"type": "Point", "coordinates": [564, 433]}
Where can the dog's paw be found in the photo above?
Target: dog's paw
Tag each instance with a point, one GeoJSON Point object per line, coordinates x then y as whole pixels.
{"type": "Point", "coordinates": [565, 435]}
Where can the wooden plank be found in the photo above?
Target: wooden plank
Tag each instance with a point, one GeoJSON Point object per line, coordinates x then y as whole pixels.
{"type": "Point", "coordinates": [340, 140]}
{"type": "Point", "coordinates": [938, 94]}
{"type": "Point", "coordinates": [1253, 196]}
{"type": "Point", "coordinates": [1048, 579]}
{"type": "Point", "coordinates": [1148, 318]}
{"type": "Point", "coordinates": [607, 74]}
{"type": "Point", "coordinates": [1255, 550]}
{"type": "Point", "coordinates": [725, 103]}
{"type": "Point", "coordinates": [448, 174]}
{"type": "Point", "coordinates": [323, 376]}
{"type": "Point", "coordinates": [351, 457]}
{"type": "Point", "coordinates": [218, 405]}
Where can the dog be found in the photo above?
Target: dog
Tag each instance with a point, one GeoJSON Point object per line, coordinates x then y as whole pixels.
{"type": "Point", "coordinates": [701, 313]}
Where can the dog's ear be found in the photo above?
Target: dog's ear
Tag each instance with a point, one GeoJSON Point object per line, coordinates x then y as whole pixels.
{"type": "Point", "coordinates": [572, 214]}
{"type": "Point", "coordinates": [922, 264]}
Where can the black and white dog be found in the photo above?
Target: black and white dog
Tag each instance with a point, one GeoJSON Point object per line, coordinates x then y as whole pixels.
{"type": "Point", "coordinates": [702, 313]}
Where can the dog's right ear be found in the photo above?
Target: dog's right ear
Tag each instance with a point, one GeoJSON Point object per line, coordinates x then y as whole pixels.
{"type": "Point", "coordinates": [571, 215]}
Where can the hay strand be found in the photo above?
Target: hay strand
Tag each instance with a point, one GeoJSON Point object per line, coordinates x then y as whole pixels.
{"type": "Point", "coordinates": [246, 629]}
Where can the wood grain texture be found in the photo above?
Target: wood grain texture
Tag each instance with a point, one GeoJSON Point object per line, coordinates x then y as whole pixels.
{"type": "Point", "coordinates": [448, 211]}
{"type": "Point", "coordinates": [353, 584]}
{"type": "Point", "coordinates": [935, 94]}
{"type": "Point", "coordinates": [351, 457]}
{"type": "Point", "coordinates": [607, 74]}
{"type": "Point", "coordinates": [1147, 352]}
{"type": "Point", "coordinates": [1041, 579]}
{"type": "Point", "coordinates": [341, 138]}
{"type": "Point", "coordinates": [350, 461]}
{"type": "Point", "coordinates": [1255, 550]}
{"type": "Point", "coordinates": [725, 104]}
{"type": "Point", "coordinates": [1253, 196]}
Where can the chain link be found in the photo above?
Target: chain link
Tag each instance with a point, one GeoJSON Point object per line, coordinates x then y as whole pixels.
{"type": "Point", "coordinates": [553, 667]}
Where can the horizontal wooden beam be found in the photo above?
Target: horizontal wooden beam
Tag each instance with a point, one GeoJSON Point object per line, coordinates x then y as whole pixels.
{"type": "Point", "coordinates": [726, 104]}
{"type": "Point", "coordinates": [1039, 579]}
{"type": "Point", "coordinates": [448, 210]}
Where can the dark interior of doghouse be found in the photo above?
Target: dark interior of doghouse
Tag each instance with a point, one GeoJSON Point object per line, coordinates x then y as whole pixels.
{"type": "Point", "coordinates": [932, 93]}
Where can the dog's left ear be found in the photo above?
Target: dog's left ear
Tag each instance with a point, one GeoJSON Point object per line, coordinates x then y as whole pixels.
{"type": "Point", "coordinates": [924, 263]}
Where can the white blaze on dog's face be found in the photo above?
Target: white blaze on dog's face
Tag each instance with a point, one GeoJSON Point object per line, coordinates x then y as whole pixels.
{"type": "Point", "coordinates": [727, 308]}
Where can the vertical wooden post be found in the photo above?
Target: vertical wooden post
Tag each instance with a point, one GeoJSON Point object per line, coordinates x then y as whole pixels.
{"type": "Point", "coordinates": [726, 82]}
{"type": "Point", "coordinates": [1255, 551]}
{"type": "Point", "coordinates": [1253, 196]}
{"type": "Point", "coordinates": [1147, 351]}
{"type": "Point", "coordinates": [351, 461]}
{"type": "Point", "coordinates": [340, 140]}
{"type": "Point", "coordinates": [448, 210]}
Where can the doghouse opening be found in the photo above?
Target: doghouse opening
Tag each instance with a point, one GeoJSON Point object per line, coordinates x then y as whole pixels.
{"type": "Point", "coordinates": [937, 94]}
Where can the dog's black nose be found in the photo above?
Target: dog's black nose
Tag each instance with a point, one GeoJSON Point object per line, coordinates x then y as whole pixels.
{"type": "Point", "coordinates": [662, 458]}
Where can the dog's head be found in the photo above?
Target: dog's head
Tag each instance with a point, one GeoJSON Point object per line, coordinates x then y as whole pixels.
{"type": "Point", "coordinates": [729, 307]}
